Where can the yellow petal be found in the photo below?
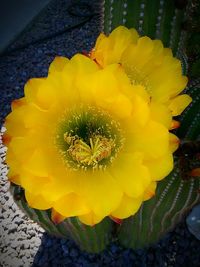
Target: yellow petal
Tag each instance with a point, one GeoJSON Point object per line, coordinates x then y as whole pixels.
{"type": "Point", "coordinates": [80, 65]}
{"type": "Point", "coordinates": [33, 184]}
{"type": "Point", "coordinates": [36, 164]}
{"type": "Point", "coordinates": [31, 89]}
{"type": "Point", "coordinates": [160, 167]}
{"type": "Point", "coordinates": [132, 176]}
{"type": "Point", "coordinates": [22, 119]}
{"type": "Point", "coordinates": [47, 95]}
{"type": "Point", "coordinates": [139, 116]}
{"type": "Point", "coordinates": [104, 83]}
{"type": "Point", "coordinates": [155, 58]}
{"type": "Point", "coordinates": [58, 64]}
{"type": "Point", "coordinates": [127, 207]}
{"type": "Point", "coordinates": [122, 102]}
{"type": "Point", "coordinates": [163, 91]}
{"type": "Point", "coordinates": [150, 192]}
{"type": "Point", "coordinates": [161, 114]}
{"type": "Point", "coordinates": [14, 167]}
{"type": "Point", "coordinates": [53, 191]}
{"type": "Point", "coordinates": [71, 205]}
{"type": "Point", "coordinates": [141, 53]}
{"type": "Point", "coordinates": [142, 92]}
{"type": "Point", "coordinates": [21, 148]}
{"type": "Point", "coordinates": [152, 140]}
{"type": "Point", "coordinates": [102, 86]}
{"type": "Point", "coordinates": [135, 57]}
{"type": "Point", "coordinates": [14, 122]}
{"type": "Point", "coordinates": [173, 142]}
{"type": "Point", "coordinates": [90, 219]}
{"type": "Point", "coordinates": [37, 201]}
{"type": "Point", "coordinates": [98, 189]}
{"type": "Point", "coordinates": [140, 111]}
{"type": "Point", "coordinates": [43, 92]}
{"type": "Point", "coordinates": [108, 50]}
{"type": "Point", "coordinates": [100, 52]}
{"type": "Point", "coordinates": [104, 90]}
{"type": "Point", "coordinates": [179, 103]}
{"type": "Point", "coordinates": [119, 39]}
{"type": "Point", "coordinates": [61, 178]}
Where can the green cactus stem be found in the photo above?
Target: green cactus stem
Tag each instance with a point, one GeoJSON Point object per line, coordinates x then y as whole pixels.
{"type": "Point", "coordinates": [158, 19]}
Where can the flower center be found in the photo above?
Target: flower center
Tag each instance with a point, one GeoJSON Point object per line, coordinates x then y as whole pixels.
{"type": "Point", "coordinates": [91, 154]}
{"type": "Point", "coordinates": [88, 138]}
{"type": "Point", "coordinates": [137, 77]}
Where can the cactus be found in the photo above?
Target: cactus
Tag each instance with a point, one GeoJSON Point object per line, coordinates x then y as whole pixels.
{"type": "Point", "coordinates": [161, 19]}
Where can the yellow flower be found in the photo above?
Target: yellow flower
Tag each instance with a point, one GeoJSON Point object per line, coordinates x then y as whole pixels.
{"type": "Point", "coordinates": [147, 63]}
{"type": "Point", "coordinates": [85, 141]}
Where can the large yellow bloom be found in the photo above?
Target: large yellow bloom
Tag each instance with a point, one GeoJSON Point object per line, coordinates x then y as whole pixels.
{"type": "Point", "coordinates": [86, 141]}
{"type": "Point", "coordinates": [148, 63]}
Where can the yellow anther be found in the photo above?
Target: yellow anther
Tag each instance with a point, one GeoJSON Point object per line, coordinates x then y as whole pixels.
{"type": "Point", "coordinates": [99, 148]}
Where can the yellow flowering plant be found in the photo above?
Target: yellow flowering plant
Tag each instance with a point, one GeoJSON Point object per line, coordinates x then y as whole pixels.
{"type": "Point", "coordinates": [92, 139]}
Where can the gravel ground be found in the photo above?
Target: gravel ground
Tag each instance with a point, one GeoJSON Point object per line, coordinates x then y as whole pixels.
{"type": "Point", "coordinates": [20, 237]}
{"type": "Point", "coordinates": [65, 29]}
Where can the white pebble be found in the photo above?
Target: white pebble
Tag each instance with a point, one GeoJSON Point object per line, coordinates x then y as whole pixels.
{"type": "Point", "coordinates": [16, 246]}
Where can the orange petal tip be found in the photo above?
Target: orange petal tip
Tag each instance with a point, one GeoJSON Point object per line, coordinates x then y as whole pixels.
{"type": "Point", "coordinates": [56, 217]}
{"type": "Point", "coordinates": [14, 179]}
{"type": "Point", "coordinates": [175, 124]}
{"type": "Point", "coordinates": [195, 172]}
{"type": "Point", "coordinates": [175, 141]}
{"type": "Point", "coordinates": [17, 103]}
{"type": "Point", "coordinates": [58, 58]}
{"type": "Point", "coordinates": [99, 65]}
{"type": "Point", "coordinates": [116, 220]}
{"type": "Point", "coordinates": [150, 194]}
{"type": "Point", "coordinates": [91, 53]}
{"type": "Point", "coordinates": [6, 139]}
{"type": "Point", "coordinates": [85, 53]}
